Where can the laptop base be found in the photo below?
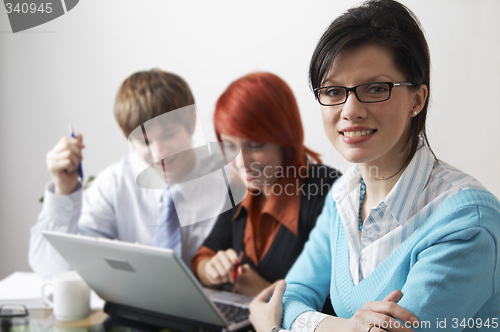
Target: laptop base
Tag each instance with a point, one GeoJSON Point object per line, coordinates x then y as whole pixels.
{"type": "Point", "coordinates": [158, 319]}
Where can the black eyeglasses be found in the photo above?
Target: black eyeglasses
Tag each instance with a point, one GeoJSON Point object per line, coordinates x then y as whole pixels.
{"type": "Point", "coordinates": [375, 92]}
{"type": "Point", "coordinates": [13, 310]}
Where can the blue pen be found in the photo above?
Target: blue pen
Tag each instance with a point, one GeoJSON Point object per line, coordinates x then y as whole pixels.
{"type": "Point", "coordinates": [80, 170]}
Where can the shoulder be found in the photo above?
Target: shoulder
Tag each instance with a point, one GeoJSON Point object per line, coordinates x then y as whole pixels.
{"type": "Point", "coordinates": [450, 178]}
{"type": "Point", "coordinates": [117, 173]}
{"type": "Point", "coordinates": [122, 166]}
{"type": "Point", "coordinates": [459, 191]}
{"type": "Point", "coordinates": [463, 216]}
{"type": "Point", "coordinates": [478, 201]}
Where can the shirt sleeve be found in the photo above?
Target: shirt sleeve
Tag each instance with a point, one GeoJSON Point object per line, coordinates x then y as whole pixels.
{"type": "Point", "coordinates": [308, 321]}
{"type": "Point", "coordinates": [202, 253]}
{"type": "Point", "coordinates": [59, 214]}
{"type": "Point", "coordinates": [220, 238]}
{"type": "Point", "coordinates": [90, 213]}
{"type": "Point", "coordinates": [308, 281]}
{"type": "Point", "coordinates": [454, 277]}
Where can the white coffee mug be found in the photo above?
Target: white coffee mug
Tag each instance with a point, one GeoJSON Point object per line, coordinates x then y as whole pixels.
{"type": "Point", "coordinates": [71, 296]}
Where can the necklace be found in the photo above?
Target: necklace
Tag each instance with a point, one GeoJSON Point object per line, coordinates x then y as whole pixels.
{"type": "Point", "coordinates": [362, 193]}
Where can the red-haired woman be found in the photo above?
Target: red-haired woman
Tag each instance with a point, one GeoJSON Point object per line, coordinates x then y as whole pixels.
{"type": "Point", "coordinates": [287, 187]}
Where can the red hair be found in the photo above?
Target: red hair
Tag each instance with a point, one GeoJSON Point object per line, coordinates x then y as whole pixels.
{"type": "Point", "coordinates": [261, 107]}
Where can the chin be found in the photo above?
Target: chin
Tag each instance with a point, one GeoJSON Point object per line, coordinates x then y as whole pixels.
{"type": "Point", "coordinates": [356, 158]}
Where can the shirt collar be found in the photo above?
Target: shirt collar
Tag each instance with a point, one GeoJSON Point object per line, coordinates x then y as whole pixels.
{"type": "Point", "coordinates": [283, 208]}
{"type": "Point", "coordinates": [403, 197]}
{"type": "Point", "coordinates": [346, 183]}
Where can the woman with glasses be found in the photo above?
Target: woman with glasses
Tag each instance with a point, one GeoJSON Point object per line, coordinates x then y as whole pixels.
{"type": "Point", "coordinates": [256, 243]}
{"type": "Point", "coordinates": [400, 221]}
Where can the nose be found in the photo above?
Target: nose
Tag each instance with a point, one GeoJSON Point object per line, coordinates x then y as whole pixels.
{"type": "Point", "coordinates": [160, 151]}
{"type": "Point", "coordinates": [247, 157]}
{"type": "Point", "coordinates": [353, 109]}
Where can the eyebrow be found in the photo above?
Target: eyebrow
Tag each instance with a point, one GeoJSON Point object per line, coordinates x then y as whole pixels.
{"type": "Point", "coordinates": [376, 78]}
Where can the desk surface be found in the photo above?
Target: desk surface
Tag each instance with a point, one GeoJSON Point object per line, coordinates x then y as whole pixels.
{"type": "Point", "coordinates": [43, 320]}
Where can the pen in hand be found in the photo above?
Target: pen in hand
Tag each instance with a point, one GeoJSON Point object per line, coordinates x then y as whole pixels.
{"type": "Point", "coordinates": [80, 170]}
{"type": "Point", "coordinates": [237, 266]}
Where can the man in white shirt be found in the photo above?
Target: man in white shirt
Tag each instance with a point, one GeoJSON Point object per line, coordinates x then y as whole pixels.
{"type": "Point", "coordinates": [116, 206]}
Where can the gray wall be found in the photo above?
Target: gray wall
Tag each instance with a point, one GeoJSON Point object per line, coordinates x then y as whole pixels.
{"type": "Point", "coordinates": [69, 69]}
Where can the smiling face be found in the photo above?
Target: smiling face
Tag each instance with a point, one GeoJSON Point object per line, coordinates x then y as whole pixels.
{"type": "Point", "coordinates": [370, 133]}
{"type": "Point", "coordinates": [262, 162]}
{"type": "Point", "coordinates": [165, 140]}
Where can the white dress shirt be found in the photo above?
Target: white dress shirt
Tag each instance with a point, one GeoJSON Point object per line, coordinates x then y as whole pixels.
{"type": "Point", "coordinates": [113, 207]}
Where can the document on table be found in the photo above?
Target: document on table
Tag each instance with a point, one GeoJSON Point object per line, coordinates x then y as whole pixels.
{"type": "Point", "coordinates": [26, 288]}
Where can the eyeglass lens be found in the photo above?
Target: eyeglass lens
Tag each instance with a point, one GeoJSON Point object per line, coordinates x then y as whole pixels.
{"type": "Point", "coordinates": [368, 93]}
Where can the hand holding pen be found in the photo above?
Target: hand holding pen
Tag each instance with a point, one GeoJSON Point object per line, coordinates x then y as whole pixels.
{"type": "Point", "coordinates": [64, 163]}
{"type": "Point", "coordinates": [237, 266]}
{"type": "Point", "coordinates": [80, 170]}
{"type": "Point", "coordinates": [221, 268]}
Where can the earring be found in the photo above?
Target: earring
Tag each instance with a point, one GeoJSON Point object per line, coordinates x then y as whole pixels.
{"type": "Point", "coordinates": [414, 113]}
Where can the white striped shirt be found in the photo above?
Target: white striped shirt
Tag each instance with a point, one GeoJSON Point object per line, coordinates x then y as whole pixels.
{"type": "Point", "coordinates": [423, 186]}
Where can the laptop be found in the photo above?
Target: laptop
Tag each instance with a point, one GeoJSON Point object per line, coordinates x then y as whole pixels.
{"type": "Point", "coordinates": [150, 285]}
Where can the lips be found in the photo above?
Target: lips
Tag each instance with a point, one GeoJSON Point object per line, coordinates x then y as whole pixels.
{"type": "Point", "coordinates": [252, 175]}
{"type": "Point", "coordinates": [354, 135]}
{"type": "Point", "coordinates": [166, 163]}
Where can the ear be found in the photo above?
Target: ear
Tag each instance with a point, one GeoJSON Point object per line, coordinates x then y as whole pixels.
{"type": "Point", "coordinates": [419, 99]}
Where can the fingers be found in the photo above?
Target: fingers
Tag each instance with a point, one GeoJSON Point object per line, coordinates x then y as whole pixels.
{"type": "Point", "coordinates": [280, 289]}
{"type": "Point", "coordinates": [69, 142]}
{"type": "Point", "coordinates": [385, 312]}
{"type": "Point", "coordinates": [273, 292]}
{"type": "Point", "coordinates": [386, 323]}
{"type": "Point", "coordinates": [64, 161]}
{"type": "Point", "coordinates": [79, 138]}
{"type": "Point", "coordinates": [266, 293]}
{"type": "Point", "coordinates": [65, 155]}
{"type": "Point", "coordinates": [394, 296]}
{"type": "Point", "coordinates": [220, 267]}
{"type": "Point", "coordinates": [232, 255]}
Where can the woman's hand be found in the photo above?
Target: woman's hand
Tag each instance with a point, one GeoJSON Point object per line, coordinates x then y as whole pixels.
{"type": "Point", "coordinates": [249, 282]}
{"type": "Point", "coordinates": [379, 314]}
{"type": "Point", "coordinates": [219, 269]}
{"type": "Point", "coordinates": [266, 309]}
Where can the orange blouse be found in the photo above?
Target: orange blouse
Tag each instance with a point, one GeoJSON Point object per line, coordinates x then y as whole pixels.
{"type": "Point", "coordinates": [261, 227]}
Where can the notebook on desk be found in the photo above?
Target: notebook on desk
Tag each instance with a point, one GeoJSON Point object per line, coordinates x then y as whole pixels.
{"type": "Point", "coordinates": [150, 284]}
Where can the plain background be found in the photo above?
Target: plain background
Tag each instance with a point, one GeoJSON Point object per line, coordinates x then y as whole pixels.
{"type": "Point", "coordinates": [68, 71]}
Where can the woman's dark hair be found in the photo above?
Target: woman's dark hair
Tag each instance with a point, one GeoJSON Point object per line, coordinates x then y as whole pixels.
{"type": "Point", "coordinates": [388, 24]}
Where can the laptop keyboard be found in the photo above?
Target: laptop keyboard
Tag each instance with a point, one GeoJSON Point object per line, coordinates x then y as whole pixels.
{"type": "Point", "coordinates": [232, 313]}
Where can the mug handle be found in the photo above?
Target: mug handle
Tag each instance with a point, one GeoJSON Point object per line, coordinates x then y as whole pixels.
{"type": "Point", "coordinates": [45, 297]}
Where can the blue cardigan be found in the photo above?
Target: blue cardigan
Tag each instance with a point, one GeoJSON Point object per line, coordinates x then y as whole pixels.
{"type": "Point", "coordinates": [448, 269]}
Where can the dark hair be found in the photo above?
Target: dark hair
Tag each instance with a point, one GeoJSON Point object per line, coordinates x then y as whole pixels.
{"type": "Point", "coordinates": [148, 94]}
{"type": "Point", "coordinates": [388, 24]}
